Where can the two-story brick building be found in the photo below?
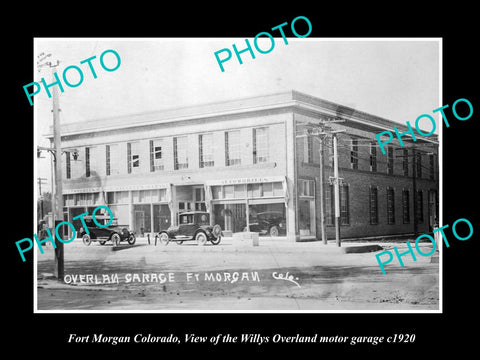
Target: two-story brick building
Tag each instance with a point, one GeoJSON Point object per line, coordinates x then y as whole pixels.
{"type": "Point", "coordinates": [254, 159]}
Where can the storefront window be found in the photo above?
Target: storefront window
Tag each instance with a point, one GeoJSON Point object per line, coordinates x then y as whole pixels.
{"type": "Point", "coordinates": [231, 217]}
{"type": "Point", "coordinates": [216, 192]}
{"type": "Point", "coordinates": [240, 191]}
{"type": "Point", "coordinates": [228, 191]}
{"type": "Point", "coordinates": [117, 197]}
{"type": "Point", "coordinates": [268, 219]}
{"type": "Point", "coordinates": [277, 189]}
{"type": "Point", "coordinates": [267, 190]}
{"type": "Point", "coordinates": [254, 190]}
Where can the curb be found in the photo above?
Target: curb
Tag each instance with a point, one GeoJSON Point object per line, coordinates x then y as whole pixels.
{"type": "Point", "coordinates": [361, 249]}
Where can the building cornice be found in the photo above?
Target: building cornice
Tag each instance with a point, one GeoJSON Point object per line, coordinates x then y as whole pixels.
{"type": "Point", "coordinates": [294, 100]}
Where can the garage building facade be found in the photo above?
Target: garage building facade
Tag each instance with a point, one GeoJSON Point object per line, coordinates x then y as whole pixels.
{"type": "Point", "coordinates": [251, 163]}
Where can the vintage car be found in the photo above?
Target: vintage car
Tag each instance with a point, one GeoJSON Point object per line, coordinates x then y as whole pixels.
{"type": "Point", "coordinates": [193, 225]}
{"type": "Point", "coordinates": [114, 232]}
{"type": "Point", "coordinates": [268, 223]}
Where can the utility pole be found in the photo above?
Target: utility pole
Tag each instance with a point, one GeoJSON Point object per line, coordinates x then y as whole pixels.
{"type": "Point", "coordinates": [320, 135]}
{"type": "Point", "coordinates": [322, 207]}
{"type": "Point", "coordinates": [57, 200]}
{"type": "Point", "coordinates": [337, 189]}
{"type": "Point", "coordinates": [58, 217]}
{"type": "Point", "coordinates": [414, 187]}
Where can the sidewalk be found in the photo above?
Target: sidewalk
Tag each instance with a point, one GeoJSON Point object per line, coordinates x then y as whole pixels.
{"type": "Point", "coordinates": [265, 244]}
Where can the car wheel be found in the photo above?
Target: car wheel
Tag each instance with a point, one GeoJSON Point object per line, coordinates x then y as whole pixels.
{"type": "Point", "coordinates": [163, 238]}
{"type": "Point", "coordinates": [274, 231]}
{"type": "Point", "coordinates": [217, 233]}
{"type": "Point", "coordinates": [102, 242]}
{"type": "Point", "coordinates": [131, 239]}
{"type": "Point", "coordinates": [201, 238]}
{"type": "Point", "coordinates": [115, 239]}
{"type": "Point", "coordinates": [216, 241]}
{"type": "Point", "coordinates": [86, 239]}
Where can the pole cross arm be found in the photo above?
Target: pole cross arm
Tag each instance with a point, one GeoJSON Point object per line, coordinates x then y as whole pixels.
{"type": "Point", "coordinates": [333, 180]}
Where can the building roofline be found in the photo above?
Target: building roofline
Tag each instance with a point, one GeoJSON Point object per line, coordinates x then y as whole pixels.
{"type": "Point", "coordinates": [278, 100]}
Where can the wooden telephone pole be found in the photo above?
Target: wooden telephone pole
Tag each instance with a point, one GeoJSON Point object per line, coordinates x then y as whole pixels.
{"type": "Point", "coordinates": [57, 200]}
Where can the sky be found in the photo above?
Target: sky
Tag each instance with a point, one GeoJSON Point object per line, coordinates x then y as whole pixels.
{"type": "Point", "coordinates": [397, 79]}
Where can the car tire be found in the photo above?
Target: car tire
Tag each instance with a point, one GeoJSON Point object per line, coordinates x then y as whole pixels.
{"type": "Point", "coordinates": [201, 238]}
{"type": "Point", "coordinates": [131, 239]}
{"type": "Point", "coordinates": [216, 241]}
{"type": "Point", "coordinates": [115, 239]}
{"type": "Point", "coordinates": [164, 238]}
{"type": "Point", "coordinates": [274, 232]}
{"type": "Point", "coordinates": [86, 240]}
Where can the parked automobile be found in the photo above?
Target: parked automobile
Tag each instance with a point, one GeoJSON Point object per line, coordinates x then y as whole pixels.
{"type": "Point", "coordinates": [114, 232]}
{"type": "Point", "coordinates": [268, 223]}
{"type": "Point", "coordinates": [193, 225]}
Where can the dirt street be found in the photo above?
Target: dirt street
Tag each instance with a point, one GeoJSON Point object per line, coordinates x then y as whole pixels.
{"type": "Point", "coordinates": [275, 276]}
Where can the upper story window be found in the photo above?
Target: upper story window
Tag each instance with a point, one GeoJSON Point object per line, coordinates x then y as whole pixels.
{"type": "Point", "coordinates": [232, 148]}
{"type": "Point", "coordinates": [112, 160]}
{"type": "Point", "coordinates": [180, 153]}
{"type": "Point", "coordinates": [419, 165]}
{"type": "Point", "coordinates": [156, 155]}
{"type": "Point", "coordinates": [406, 206]}
{"type": "Point", "coordinates": [373, 157]}
{"type": "Point", "coordinates": [68, 168]}
{"type": "Point", "coordinates": [133, 157]}
{"type": "Point", "coordinates": [405, 162]}
{"type": "Point", "coordinates": [390, 160]}
{"type": "Point", "coordinates": [309, 149]}
{"type": "Point", "coordinates": [354, 155]}
{"type": "Point", "coordinates": [260, 145]}
{"type": "Point", "coordinates": [205, 143]}
{"type": "Point", "coordinates": [87, 162]}
{"type": "Point", "coordinates": [432, 166]}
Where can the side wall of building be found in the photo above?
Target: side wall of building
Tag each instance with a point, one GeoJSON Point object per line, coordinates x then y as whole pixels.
{"type": "Point", "coordinates": [362, 215]}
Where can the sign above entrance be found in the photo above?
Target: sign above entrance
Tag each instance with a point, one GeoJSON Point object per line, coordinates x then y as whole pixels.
{"type": "Point", "coordinates": [250, 180]}
{"type": "Point", "coordinates": [118, 188]}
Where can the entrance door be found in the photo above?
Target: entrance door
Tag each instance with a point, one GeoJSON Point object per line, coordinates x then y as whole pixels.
{"type": "Point", "coordinates": [139, 222]}
{"type": "Point", "coordinates": [161, 217]}
{"type": "Point", "coordinates": [306, 217]}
